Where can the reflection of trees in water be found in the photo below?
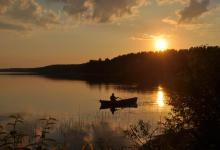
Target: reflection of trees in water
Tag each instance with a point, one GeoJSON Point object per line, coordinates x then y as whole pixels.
{"type": "Point", "coordinates": [193, 124]}
{"type": "Point", "coordinates": [196, 116]}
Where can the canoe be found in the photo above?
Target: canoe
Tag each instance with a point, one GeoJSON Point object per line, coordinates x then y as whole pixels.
{"type": "Point", "coordinates": [130, 102]}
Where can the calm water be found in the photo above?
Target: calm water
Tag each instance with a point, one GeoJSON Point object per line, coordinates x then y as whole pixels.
{"type": "Point", "coordinates": [77, 99]}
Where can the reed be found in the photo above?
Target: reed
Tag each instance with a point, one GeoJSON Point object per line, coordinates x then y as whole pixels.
{"type": "Point", "coordinates": [48, 133]}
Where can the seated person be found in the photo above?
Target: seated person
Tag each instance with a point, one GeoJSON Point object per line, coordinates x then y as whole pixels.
{"type": "Point", "coordinates": [113, 98]}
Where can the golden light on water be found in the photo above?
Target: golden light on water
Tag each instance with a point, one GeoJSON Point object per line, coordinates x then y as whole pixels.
{"type": "Point", "coordinates": [160, 98]}
{"type": "Point", "coordinates": [160, 44]}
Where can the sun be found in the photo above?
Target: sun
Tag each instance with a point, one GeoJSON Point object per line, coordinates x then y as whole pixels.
{"type": "Point", "coordinates": [160, 44]}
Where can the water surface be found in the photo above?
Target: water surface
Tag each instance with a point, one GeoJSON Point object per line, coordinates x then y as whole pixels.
{"type": "Point", "coordinates": [31, 94]}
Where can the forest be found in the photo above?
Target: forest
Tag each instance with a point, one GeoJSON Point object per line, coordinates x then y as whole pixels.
{"type": "Point", "coordinates": [187, 65]}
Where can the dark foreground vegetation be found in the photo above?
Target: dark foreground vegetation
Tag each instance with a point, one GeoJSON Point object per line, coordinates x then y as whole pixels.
{"type": "Point", "coordinates": [195, 119]}
{"type": "Point", "coordinates": [13, 136]}
{"type": "Point", "coordinates": [193, 124]}
{"type": "Point", "coordinates": [21, 133]}
{"type": "Point", "coordinates": [193, 75]}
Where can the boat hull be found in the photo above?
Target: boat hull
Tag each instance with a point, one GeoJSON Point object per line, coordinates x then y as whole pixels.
{"type": "Point", "coordinates": [131, 102]}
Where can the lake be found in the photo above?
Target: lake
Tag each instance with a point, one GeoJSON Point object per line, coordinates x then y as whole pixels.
{"type": "Point", "coordinates": [37, 95]}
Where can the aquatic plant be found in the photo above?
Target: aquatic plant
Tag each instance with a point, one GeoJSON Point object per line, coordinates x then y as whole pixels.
{"type": "Point", "coordinates": [41, 138]}
{"type": "Point", "coordinates": [141, 133]}
{"type": "Point", "coordinates": [47, 133]}
{"type": "Point", "coordinates": [13, 137]}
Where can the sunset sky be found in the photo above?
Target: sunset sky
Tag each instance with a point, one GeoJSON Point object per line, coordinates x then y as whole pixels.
{"type": "Point", "coordinates": [42, 32]}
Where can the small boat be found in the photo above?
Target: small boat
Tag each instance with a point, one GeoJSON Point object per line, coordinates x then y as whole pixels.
{"type": "Point", "coordinates": [130, 102]}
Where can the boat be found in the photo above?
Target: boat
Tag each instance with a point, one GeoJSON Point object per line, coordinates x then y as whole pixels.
{"type": "Point", "coordinates": [130, 102]}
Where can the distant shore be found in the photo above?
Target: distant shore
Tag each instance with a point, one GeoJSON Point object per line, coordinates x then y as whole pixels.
{"type": "Point", "coordinates": [194, 64]}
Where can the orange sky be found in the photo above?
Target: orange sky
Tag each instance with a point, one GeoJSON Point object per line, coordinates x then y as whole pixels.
{"type": "Point", "coordinates": [42, 32]}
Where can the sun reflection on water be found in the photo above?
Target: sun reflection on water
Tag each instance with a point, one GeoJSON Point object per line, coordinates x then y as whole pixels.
{"type": "Point", "coordinates": [160, 97]}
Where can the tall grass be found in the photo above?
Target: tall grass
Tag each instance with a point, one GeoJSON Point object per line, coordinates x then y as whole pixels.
{"type": "Point", "coordinates": [16, 134]}
{"type": "Point", "coordinates": [66, 134]}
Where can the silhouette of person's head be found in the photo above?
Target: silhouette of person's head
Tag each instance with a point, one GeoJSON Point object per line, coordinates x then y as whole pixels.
{"type": "Point", "coordinates": [113, 94]}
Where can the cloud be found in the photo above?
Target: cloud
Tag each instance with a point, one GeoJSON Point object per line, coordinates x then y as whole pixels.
{"type": "Point", "coordinates": [33, 13]}
{"type": "Point", "coordinates": [4, 4]}
{"type": "Point", "coordinates": [141, 37]}
{"type": "Point", "coordinates": [21, 13]}
{"type": "Point", "coordinates": [110, 10]}
{"type": "Point", "coordinates": [194, 10]}
{"type": "Point", "coordinates": [101, 11]}
{"type": "Point", "coordinates": [14, 27]}
{"type": "Point", "coordinates": [187, 26]}
{"type": "Point", "coordinates": [170, 21]}
{"type": "Point", "coordinates": [78, 9]}
{"type": "Point", "coordinates": [29, 11]}
{"type": "Point", "coordinates": [161, 2]}
{"type": "Point", "coordinates": [147, 37]}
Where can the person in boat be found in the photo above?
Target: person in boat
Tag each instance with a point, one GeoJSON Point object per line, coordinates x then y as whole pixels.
{"type": "Point", "coordinates": [113, 98]}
